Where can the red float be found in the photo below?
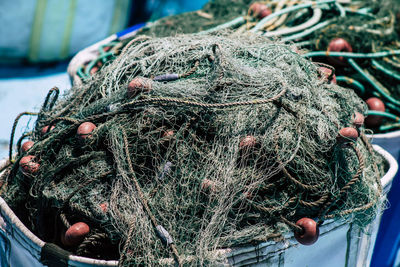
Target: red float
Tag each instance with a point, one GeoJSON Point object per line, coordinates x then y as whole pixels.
{"type": "Point", "coordinates": [138, 85]}
{"type": "Point", "coordinates": [207, 184]}
{"type": "Point", "coordinates": [168, 134]}
{"type": "Point", "coordinates": [339, 45]}
{"type": "Point", "coordinates": [75, 234]}
{"type": "Point", "coordinates": [94, 70]}
{"type": "Point", "coordinates": [310, 232]}
{"type": "Point", "coordinates": [327, 73]}
{"type": "Point", "coordinates": [26, 146]}
{"type": "Point", "coordinates": [28, 165]}
{"type": "Point", "coordinates": [45, 129]}
{"type": "Point", "coordinates": [347, 135]}
{"type": "Point", "coordinates": [358, 120]}
{"type": "Point", "coordinates": [376, 104]}
{"type": "Point", "coordinates": [103, 207]}
{"type": "Point", "coordinates": [85, 130]}
{"type": "Point", "coordinates": [259, 10]}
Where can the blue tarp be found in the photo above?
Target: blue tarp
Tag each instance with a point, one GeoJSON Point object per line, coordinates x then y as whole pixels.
{"type": "Point", "coordinates": [25, 93]}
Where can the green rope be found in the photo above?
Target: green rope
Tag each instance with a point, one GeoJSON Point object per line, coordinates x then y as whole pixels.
{"type": "Point", "coordinates": [230, 24]}
{"type": "Point", "coordinates": [352, 55]}
{"type": "Point", "coordinates": [307, 31]}
{"type": "Point", "coordinates": [101, 48]}
{"type": "Point", "coordinates": [391, 106]}
{"type": "Point", "coordinates": [361, 12]}
{"type": "Point", "coordinates": [341, 9]}
{"type": "Point", "coordinates": [94, 62]}
{"type": "Point", "coordinates": [168, 100]}
{"type": "Point", "coordinates": [14, 127]}
{"type": "Point", "coordinates": [262, 22]}
{"type": "Point", "coordinates": [353, 82]}
{"type": "Point", "coordinates": [373, 83]}
{"type": "Point", "coordinates": [383, 114]}
{"type": "Point", "coordinates": [389, 127]}
{"type": "Point", "coordinates": [81, 73]}
{"type": "Point", "coordinates": [388, 72]}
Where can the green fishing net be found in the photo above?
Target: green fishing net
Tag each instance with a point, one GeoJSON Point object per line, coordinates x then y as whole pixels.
{"type": "Point", "coordinates": [211, 15]}
{"type": "Point", "coordinates": [366, 27]}
{"type": "Point", "coordinates": [201, 143]}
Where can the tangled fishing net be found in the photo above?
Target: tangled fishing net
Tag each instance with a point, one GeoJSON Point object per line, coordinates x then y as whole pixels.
{"type": "Point", "coordinates": [211, 15]}
{"type": "Point", "coordinates": [363, 27]}
{"type": "Point", "coordinates": [200, 143]}
{"type": "Point", "coordinates": [372, 27]}
{"type": "Point", "coordinates": [366, 25]}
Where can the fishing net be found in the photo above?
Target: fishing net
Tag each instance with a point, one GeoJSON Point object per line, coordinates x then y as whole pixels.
{"type": "Point", "coordinates": [370, 24]}
{"type": "Point", "coordinates": [200, 143]}
{"type": "Point", "coordinates": [216, 15]}
{"type": "Point", "coordinates": [366, 27]}
{"type": "Point", "coordinates": [211, 15]}
{"type": "Point", "coordinates": [372, 27]}
{"type": "Point", "coordinates": [246, 13]}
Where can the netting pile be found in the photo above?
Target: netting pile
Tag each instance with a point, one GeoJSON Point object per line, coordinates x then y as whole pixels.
{"type": "Point", "coordinates": [373, 30]}
{"type": "Point", "coordinates": [366, 27]}
{"type": "Point", "coordinates": [209, 141]}
{"type": "Point", "coordinates": [366, 31]}
{"type": "Point", "coordinates": [211, 15]}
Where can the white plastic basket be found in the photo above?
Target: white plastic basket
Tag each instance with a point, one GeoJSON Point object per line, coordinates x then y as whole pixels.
{"type": "Point", "coordinates": [340, 243]}
{"type": "Point", "coordinates": [388, 141]}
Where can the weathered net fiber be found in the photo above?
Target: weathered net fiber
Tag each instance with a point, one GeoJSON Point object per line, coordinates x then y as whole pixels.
{"type": "Point", "coordinates": [213, 13]}
{"type": "Point", "coordinates": [373, 31]}
{"type": "Point", "coordinates": [235, 150]}
{"type": "Point", "coordinates": [368, 31]}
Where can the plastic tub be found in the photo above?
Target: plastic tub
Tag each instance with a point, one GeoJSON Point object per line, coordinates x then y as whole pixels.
{"type": "Point", "coordinates": [388, 141]}
{"type": "Point", "coordinates": [386, 252]}
{"type": "Point", "coordinates": [92, 52]}
{"type": "Point", "coordinates": [340, 243]}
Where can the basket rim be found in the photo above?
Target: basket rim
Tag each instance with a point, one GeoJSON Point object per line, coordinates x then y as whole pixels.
{"type": "Point", "coordinates": [387, 135]}
{"type": "Point", "coordinates": [328, 225]}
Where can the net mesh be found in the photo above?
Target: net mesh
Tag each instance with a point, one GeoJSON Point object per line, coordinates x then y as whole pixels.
{"type": "Point", "coordinates": [201, 143]}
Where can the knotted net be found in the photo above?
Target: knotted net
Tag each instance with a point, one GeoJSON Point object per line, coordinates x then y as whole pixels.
{"type": "Point", "coordinates": [201, 143]}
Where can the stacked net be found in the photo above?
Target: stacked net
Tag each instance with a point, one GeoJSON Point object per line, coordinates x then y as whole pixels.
{"type": "Point", "coordinates": [370, 35]}
{"type": "Point", "coordinates": [187, 145]}
{"type": "Point", "coordinates": [213, 14]}
{"type": "Point", "coordinates": [367, 29]}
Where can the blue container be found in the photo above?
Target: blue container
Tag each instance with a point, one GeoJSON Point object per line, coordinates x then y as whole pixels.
{"type": "Point", "coordinates": [387, 244]}
{"type": "Point", "coordinates": [51, 30]}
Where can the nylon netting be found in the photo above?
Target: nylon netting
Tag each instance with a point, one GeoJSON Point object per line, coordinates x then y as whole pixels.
{"type": "Point", "coordinates": [220, 141]}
